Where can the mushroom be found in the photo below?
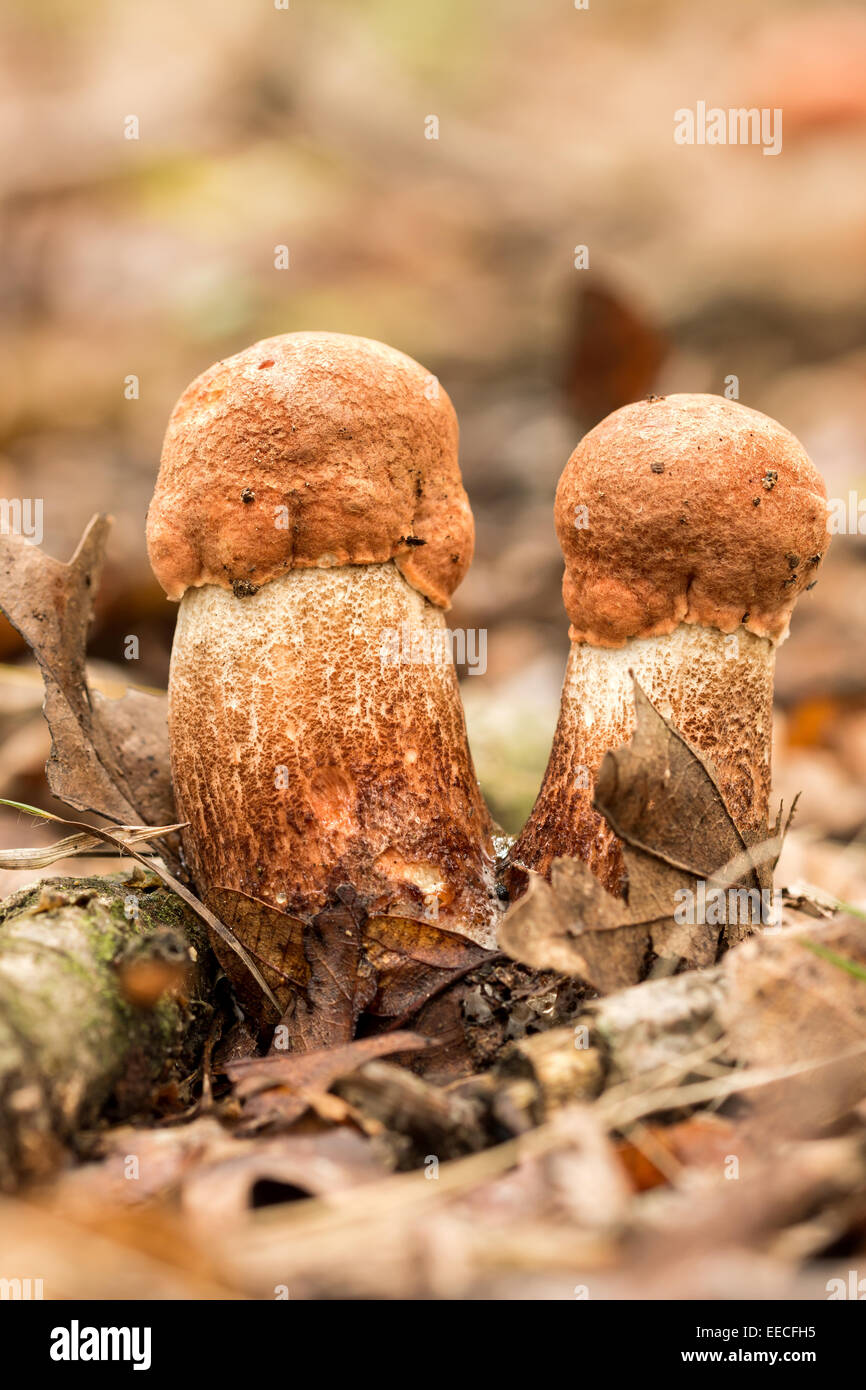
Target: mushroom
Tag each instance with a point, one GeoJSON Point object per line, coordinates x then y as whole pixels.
{"type": "Point", "coordinates": [310, 517]}
{"type": "Point", "coordinates": [689, 526]}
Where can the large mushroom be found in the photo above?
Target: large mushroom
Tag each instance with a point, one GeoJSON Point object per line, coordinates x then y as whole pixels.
{"type": "Point", "coordinates": [310, 517]}
{"type": "Point", "coordinates": [689, 526]}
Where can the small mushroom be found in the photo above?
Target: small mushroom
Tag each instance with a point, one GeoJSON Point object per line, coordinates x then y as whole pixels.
{"type": "Point", "coordinates": [695, 612]}
{"type": "Point", "coordinates": [310, 517]}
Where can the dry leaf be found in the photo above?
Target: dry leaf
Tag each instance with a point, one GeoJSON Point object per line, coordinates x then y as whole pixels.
{"type": "Point", "coordinates": [273, 940]}
{"type": "Point", "coordinates": [663, 801]}
{"type": "Point", "coordinates": [107, 756]}
{"type": "Point", "coordinates": [217, 1174]}
{"type": "Point", "coordinates": [282, 1086]}
{"type": "Point", "coordinates": [800, 997]}
{"type": "Point", "coordinates": [655, 1152]}
{"type": "Point", "coordinates": [264, 1172]}
{"type": "Point", "coordinates": [614, 354]}
{"type": "Point", "coordinates": [326, 973]}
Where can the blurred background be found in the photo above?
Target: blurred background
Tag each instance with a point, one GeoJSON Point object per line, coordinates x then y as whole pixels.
{"type": "Point", "coordinates": [307, 128]}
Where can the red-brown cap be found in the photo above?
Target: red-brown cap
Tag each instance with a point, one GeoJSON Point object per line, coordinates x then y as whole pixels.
{"type": "Point", "coordinates": [310, 449]}
{"type": "Point", "coordinates": [687, 509]}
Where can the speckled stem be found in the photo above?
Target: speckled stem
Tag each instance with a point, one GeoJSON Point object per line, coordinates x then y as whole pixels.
{"type": "Point", "coordinates": [318, 740]}
{"type": "Point", "coordinates": [716, 688]}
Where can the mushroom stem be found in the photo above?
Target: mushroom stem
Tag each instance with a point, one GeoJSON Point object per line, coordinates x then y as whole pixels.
{"type": "Point", "coordinates": [716, 688]}
{"type": "Point", "coordinates": [318, 740]}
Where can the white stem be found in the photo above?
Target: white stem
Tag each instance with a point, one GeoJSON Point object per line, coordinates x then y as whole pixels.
{"type": "Point", "coordinates": [716, 688]}
{"type": "Point", "coordinates": [318, 740]}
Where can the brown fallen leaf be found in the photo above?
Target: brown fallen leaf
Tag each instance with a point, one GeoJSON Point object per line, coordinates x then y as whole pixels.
{"type": "Point", "coordinates": [288, 1167]}
{"type": "Point", "coordinates": [573, 926]}
{"type": "Point", "coordinates": [341, 983]}
{"type": "Point", "coordinates": [663, 801]}
{"type": "Point", "coordinates": [136, 726]}
{"type": "Point", "coordinates": [275, 942]}
{"type": "Point", "coordinates": [107, 756]}
{"type": "Point", "coordinates": [614, 353]}
{"type": "Point", "coordinates": [413, 961]}
{"type": "Point", "coordinates": [217, 1174]}
{"type": "Point", "coordinates": [653, 1152]}
{"type": "Point", "coordinates": [327, 972]}
{"type": "Point", "coordinates": [800, 997]}
{"type": "Point", "coordinates": [281, 1086]}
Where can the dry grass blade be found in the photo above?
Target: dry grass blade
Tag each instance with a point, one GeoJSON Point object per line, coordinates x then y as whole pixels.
{"type": "Point", "coordinates": [705, 1060]}
{"type": "Point", "coordinates": [619, 1113]}
{"type": "Point", "coordinates": [72, 846]}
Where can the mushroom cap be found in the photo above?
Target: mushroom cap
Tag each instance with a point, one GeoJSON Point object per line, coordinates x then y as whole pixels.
{"type": "Point", "coordinates": [310, 449]}
{"type": "Point", "coordinates": [687, 509]}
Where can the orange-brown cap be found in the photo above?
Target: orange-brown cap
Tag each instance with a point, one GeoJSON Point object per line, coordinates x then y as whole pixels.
{"type": "Point", "coordinates": [310, 449]}
{"type": "Point", "coordinates": [687, 509]}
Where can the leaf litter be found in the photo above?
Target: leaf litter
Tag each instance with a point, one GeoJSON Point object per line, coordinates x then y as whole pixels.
{"type": "Point", "coordinates": [592, 1146]}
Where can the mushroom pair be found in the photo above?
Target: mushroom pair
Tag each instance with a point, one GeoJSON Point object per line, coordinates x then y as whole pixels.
{"type": "Point", "coordinates": [310, 517]}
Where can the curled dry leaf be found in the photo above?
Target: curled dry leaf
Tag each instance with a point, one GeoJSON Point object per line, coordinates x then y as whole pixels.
{"type": "Point", "coordinates": [107, 756]}
{"type": "Point", "coordinates": [663, 801]}
{"type": "Point", "coordinates": [280, 1169]}
{"type": "Point", "coordinates": [281, 1086]}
